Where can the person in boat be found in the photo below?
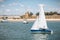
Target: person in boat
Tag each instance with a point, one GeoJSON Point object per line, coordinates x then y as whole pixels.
{"type": "Point", "coordinates": [43, 29]}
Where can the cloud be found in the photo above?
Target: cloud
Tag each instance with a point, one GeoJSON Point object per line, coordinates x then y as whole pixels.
{"type": "Point", "coordinates": [2, 5]}
{"type": "Point", "coordinates": [7, 10]}
{"type": "Point", "coordinates": [1, 0]}
{"type": "Point", "coordinates": [17, 9]}
{"type": "Point", "coordinates": [58, 10]}
{"type": "Point", "coordinates": [54, 9]}
{"type": "Point", "coordinates": [13, 4]}
{"type": "Point", "coordinates": [16, 4]}
{"type": "Point", "coordinates": [41, 5]}
{"type": "Point", "coordinates": [21, 5]}
{"type": "Point", "coordinates": [10, 4]}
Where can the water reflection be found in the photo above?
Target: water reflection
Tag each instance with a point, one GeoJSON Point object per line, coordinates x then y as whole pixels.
{"type": "Point", "coordinates": [40, 36]}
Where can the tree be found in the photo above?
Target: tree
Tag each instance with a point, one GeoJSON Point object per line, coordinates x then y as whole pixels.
{"type": "Point", "coordinates": [21, 16]}
{"type": "Point", "coordinates": [30, 13]}
{"type": "Point", "coordinates": [37, 14]}
{"type": "Point", "coordinates": [55, 13]}
{"type": "Point", "coordinates": [51, 13]}
{"type": "Point", "coordinates": [4, 18]}
{"type": "Point", "coordinates": [46, 13]}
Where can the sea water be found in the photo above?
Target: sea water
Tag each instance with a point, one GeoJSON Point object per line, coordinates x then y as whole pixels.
{"type": "Point", "coordinates": [21, 31]}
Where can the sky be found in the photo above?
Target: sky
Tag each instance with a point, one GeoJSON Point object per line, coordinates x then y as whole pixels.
{"type": "Point", "coordinates": [19, 7]}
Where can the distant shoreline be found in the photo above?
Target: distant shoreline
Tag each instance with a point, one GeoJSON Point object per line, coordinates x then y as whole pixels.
{"type": "Point", "coordinates": [53, 19]}
{"type": "Point", "coordinates": [30, 20]}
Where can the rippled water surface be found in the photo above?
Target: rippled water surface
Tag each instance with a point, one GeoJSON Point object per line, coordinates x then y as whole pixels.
{"type": "Point", "coordinates": [20, 31]}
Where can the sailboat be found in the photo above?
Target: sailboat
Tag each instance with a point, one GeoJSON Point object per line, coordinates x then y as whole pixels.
{"type": "Point", "coordinates": [25, 21]}
{"type": "Point", "coordinates": [40, 25]}
{"type": "Point", "coordinates": [4, 19]}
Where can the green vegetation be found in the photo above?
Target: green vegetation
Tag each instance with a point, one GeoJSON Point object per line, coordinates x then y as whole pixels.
{"type": "Point", "coordinates": [48, 13]}
{"type": "Point", "coordinates": [30, 13]}
{"type": "Point", "coordinates": [4, 18]}
{"type": "Point", "coordinates": [37, 14]}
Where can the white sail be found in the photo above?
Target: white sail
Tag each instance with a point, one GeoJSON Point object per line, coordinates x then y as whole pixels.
{"type": "Point", "coordinates": [35, 25]}
{"type": "Point", "coordinates": [41, 21]}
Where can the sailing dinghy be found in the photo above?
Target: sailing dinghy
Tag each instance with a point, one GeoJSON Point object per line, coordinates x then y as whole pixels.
{"type": "Point", "coordinates": [40, 25]}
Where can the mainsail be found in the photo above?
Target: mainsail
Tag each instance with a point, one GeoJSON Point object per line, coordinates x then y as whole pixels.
{"type": "Point", "coordinates": [40, 21]}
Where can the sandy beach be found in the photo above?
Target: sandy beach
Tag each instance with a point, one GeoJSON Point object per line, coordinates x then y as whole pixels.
{"type": "Point", "coordinates": [30, 20]}
{"type": "Point", "coordinates": [53, 19]}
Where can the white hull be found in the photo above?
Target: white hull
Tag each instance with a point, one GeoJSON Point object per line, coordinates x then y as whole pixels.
{"type": "Point", "coordinates": [4, 20]}
{"type": "Point", "coordinates": [25, 22]}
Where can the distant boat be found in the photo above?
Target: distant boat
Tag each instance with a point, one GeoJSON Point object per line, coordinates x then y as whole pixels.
{"type": "Point", "coordinates": [25, 21]}
{"type": "Point", "coordinates": [40, 25]}
{"type": "Point", "coordinates": [4, 20]}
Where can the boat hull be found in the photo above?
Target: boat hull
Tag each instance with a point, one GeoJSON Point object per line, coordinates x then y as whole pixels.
{"type": "Point", "coordinates": [41, 31]}
{"type": "Point", "coordinates": [25, 22]}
